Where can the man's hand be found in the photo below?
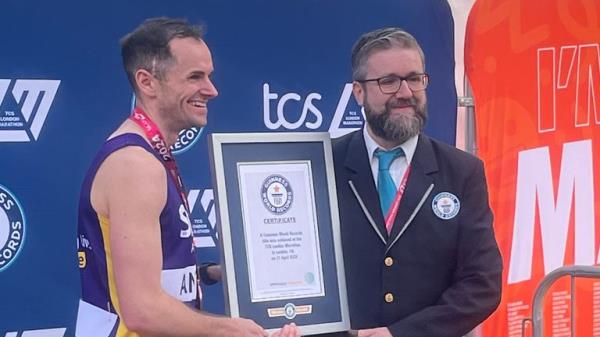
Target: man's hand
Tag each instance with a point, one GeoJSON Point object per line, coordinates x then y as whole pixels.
{"type": "Point", "coordinates": [376, 332]}
{"type": "Point", "coordinates": [214, 272]}
{"type": "Point", "coordinates": [288, 330]}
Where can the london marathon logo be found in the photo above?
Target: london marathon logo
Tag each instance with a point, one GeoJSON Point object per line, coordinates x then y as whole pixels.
{"type": "Point", "coordinates": [24, 106]}
{"type": "Point", "coordinates": [276, 194]}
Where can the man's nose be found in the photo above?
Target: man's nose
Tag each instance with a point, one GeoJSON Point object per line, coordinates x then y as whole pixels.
{"type": "Point", "coordinates": [404, 91]}
{"type": "Point", "coordinates": [210, 90]}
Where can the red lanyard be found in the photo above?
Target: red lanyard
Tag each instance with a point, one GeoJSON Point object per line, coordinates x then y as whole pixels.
{"type": "Point", "coordinates": [391, 216]}
{"type": "Point", "coordinates": [153, 134]}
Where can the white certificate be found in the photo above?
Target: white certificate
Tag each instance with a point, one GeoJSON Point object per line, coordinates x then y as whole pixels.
{"type": "Point", "coordinates": [282, 238]}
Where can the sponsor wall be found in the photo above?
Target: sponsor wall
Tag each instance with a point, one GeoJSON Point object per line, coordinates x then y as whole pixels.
{"type": "Point", "coordinates": [535, 71]}
{"type": "Point", "coordinates": [280, 66]}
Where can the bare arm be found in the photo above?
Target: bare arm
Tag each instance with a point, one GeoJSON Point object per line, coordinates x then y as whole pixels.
{"type": "Point", "coordinates": [130, 189]}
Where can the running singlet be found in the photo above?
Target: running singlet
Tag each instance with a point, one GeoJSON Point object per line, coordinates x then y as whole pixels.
{"type": "Point", "coordinates": [98, 313]}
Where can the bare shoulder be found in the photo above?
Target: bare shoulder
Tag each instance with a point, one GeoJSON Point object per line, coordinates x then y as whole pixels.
{"type": "Point", "coordinates": [129, 176]}
{"type": "Point", "coordinates": [133, 159]}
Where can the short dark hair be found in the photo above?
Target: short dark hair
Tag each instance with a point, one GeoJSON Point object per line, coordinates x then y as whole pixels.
{"type": "Point", "coordinates": [380, 39]}
{"type": "Point", "coordinates": [147, 47]}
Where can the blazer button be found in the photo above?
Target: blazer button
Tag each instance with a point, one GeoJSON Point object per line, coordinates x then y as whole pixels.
{"type": "Point", "coordinates": [389, 298]}
{"type": "Point", "coordinates": [388, 261]}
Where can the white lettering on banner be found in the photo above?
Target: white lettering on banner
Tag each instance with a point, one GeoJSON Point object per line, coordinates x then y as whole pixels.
{"type": "Point", "coordinates": [56, 332]}
{"type": "Point", "coordinates": [203, 226]}
{"type": "Point", "coordinates": [342, 124]}
{"type": "Point", "coordinates": [578, 69]}
{"type": "Point", "coordinates": [186, 139]}
{"type": "Point", "coordinates": [14, 128]}
{"type": "Point", "coordinates": [12, 227]}
{"type": "Point", "coordinates": [281, 120]}
{"type": "Point", "coordinates": [346, 118]}
{"type": "Point", "coordinates": [575, 191]}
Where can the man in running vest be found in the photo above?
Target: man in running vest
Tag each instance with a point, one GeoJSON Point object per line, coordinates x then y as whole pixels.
{"type": "Point", "coordinates": [138, 265]}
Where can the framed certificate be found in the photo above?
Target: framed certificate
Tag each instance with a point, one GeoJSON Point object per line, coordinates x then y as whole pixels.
{"type": "Point", "coordinates": [279, 230]}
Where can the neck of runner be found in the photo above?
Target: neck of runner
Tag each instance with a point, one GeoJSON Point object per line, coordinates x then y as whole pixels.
{"type": "Point", "coordinates": [149, 113]}
{"type": "Point", "coordinates": [152, 133]}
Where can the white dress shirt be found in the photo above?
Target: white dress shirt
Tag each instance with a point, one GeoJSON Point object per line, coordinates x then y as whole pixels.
{"type": "Point", "coordinates": [399, 165]}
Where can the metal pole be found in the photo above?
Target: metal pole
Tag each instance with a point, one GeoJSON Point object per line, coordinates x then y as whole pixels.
{"type": "Point", "coordinates": [468, 103]}
{"type": "Point", "coordinates": [542, 289]}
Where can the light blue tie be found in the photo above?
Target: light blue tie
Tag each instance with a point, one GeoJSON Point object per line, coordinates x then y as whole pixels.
{"type": "Point", "coordinates": [385, 183]}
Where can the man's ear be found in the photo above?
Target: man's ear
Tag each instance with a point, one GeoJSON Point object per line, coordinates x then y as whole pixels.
{"type": "Point", "coordinates": [146, 82]}
{"type": "Point", "coordinates": [359, 92]}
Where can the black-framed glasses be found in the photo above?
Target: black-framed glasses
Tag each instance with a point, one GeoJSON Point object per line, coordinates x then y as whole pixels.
{"type": "Point", "coordinates": [391, 84]}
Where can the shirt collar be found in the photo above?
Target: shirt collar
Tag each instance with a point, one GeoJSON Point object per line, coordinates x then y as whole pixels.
{"type": "Point", "coordinates": [408, 146]}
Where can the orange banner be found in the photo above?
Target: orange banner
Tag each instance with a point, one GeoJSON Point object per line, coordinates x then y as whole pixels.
{"type": "Point", "coordinates": [534, 67]}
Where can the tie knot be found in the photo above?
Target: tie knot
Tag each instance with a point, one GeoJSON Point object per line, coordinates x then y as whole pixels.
{"type": "Point", "coordinates": [387, 157]}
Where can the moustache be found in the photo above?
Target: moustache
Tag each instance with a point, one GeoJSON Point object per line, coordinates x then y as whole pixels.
{"type": "Point", "coordinates": [402, 103]}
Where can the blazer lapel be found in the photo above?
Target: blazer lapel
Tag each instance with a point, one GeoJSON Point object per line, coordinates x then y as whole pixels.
{"type": "Point", "coordinates": [418, 187]}
{"type": "Point", "coordinates": [362, 184]}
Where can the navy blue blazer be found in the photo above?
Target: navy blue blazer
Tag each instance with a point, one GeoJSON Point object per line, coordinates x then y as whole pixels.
{"type": "Point", "coordinates": [431, 276]}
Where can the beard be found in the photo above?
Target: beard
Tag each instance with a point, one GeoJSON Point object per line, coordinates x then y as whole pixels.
{"type": "Point", "coordinates": [401, 127]}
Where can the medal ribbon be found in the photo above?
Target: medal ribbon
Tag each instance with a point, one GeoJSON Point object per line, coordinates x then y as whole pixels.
{"type": "Point", "coordinates": [159, 144]}
{"type": "Point", "coordinates": [391, 216]}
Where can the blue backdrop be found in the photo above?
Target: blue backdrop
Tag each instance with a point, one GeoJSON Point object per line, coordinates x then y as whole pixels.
{"type": "Point", "coordinates": [63, 90]}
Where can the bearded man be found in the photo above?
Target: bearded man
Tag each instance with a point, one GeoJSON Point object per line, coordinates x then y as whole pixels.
{"type": "Point", "coordinates": [421, 259]}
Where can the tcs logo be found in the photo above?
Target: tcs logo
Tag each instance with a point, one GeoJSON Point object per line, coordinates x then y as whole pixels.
{"type": "Point", "coordinates": [292, 111]}
{"type": "Point", "coordinates": [307, 107]}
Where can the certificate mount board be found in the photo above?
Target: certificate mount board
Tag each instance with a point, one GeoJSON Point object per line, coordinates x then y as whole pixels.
{"type": "Point", "coordinates": [279, 228]}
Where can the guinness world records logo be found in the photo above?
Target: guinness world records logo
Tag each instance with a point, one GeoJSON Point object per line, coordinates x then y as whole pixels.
{"type": "Point", "coordinates": [12, 228]}
{"type": "Point", "coordinates": [289, 311]}
{"type": "Point", "coordinates": [445, 205]}
{"type": "Point", "coordinates": [276, 194]}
